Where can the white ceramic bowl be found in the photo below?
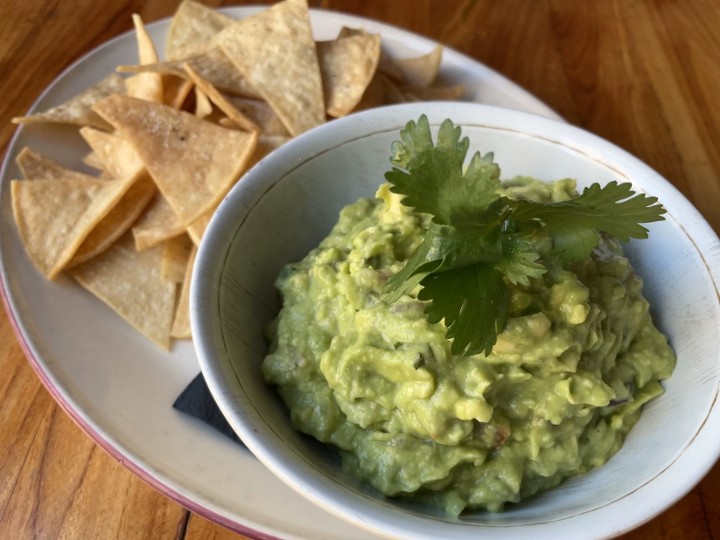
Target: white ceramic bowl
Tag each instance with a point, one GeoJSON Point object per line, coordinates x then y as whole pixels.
{"type": "Point", "coordinates": [289, 202]}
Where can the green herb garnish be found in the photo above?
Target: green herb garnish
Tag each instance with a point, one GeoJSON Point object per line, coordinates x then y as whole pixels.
{"type": "Point", "coordinates": [479, 242]}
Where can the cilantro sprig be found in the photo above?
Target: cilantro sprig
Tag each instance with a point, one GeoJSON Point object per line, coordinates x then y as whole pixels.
{"type": "Point", "coordinates": [478, 242]}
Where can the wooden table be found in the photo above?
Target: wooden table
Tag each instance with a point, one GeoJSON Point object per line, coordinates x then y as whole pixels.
{"type": "Point", "coordinates": [643, 74]}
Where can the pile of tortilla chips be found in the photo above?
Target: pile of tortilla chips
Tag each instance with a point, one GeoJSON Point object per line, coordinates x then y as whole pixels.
{"type": "Point", "coordinates": [169, 141]}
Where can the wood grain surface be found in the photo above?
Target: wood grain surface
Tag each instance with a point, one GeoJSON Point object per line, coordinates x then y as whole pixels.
{"type": "Point", "coordinates": [643, 74]}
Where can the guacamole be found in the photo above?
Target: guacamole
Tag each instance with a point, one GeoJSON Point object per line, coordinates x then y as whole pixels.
{"type": "Point", "coordinates": [565, 382]}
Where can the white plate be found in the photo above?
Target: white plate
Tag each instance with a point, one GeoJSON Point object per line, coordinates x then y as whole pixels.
{"type": "Point", "coordinates": [117, 385]}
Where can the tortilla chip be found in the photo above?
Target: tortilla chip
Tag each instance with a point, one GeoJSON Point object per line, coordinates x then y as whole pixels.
{"type": "Point", "coordinates": [53, 217]}
{"type": "Point", "coordinates": [176, 253]}
{"type": "Point", "coordinates": [194, 163]}
{"type": "Point", "coordinates": [147, 86]}
{"type": "Point", "coordinates": [78, 110]}
{"type": "Point", "coordinates": [212, 66]}
{"type": "Point", "coordinates": [191, 28]}
{"type": "Point", "coordinates": [203, 106]}
{"type": "Point", "coordinates": [118, 158]}
{"type": "Point", "coordinates": [347, 65]}
{"type": "Point", "coordinates": [261, 115]}
{"type": "Point", "coordinates": [36, 166]}
{"type": "Point", "coordinates": [158, 223]}
{"type": "Point", "coordinates": [219, 100]}
{"type": "Point", "coordinates": [421, 70]}
{"type": "Point", "coordinates": [197, 228]}
{"type": "Point", "coordinates": [117, 221]}
{"type": "Point", "coordinates": [347, 31]}
{"type": "Point", "coordinates": [131, 283]}
{"type": "Point", "coordinates": [381, 91]}
{"type": "Point", "coordinates": [266, 144]}
{"type": "Point", "coordinates": [92, 160]}
{"type": "Point", "coordinates": [181, 325]}
{"type": "Point", "coordinates": [386, 64]}
{"type": "Point", "coordinates": [147, 53]}
{"type": "Point", "coordinates": [275, 52]}
{"type": "Point", "coordinates": [114, 154]}
{"type": "Point", "coordinates": [175, 91]}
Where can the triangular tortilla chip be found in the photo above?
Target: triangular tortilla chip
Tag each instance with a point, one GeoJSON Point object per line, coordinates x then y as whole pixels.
{"type": "Point", "coordinates": [92, 160]}
{"type": "Point", "coordinates": [181, 325]}
{"type": "Point", "coordinates": [192, 26]}
{"type": "Point", "coordinates": [265, 145]}
{"type": "Point", "coordinates": [176, 253]}
{"type": "Point", "coordinates": [275, 52]}
{"type": "Point", "coordinates": [118, 158]}
{"type": "Point", "coordinates": [117, 221]}
{"type": "Point", "coordinates": [380, 91]}
{"type": "Point", "coordinates": [78, 110]}
{"type": "Point", "coordinates": [420, 70]}
{"type": "Point", "coordinates": [115, 155]}
{"type": "Point", "coordinates": [158, 223]}
{"type": "Point", "coordinates": [147, 86]}
{"type": "Point", "coordinates": [386, 64]}
{"type": "Point", "coordinates": [196, 229]}
{"type": "Point", "coordinates": [261, 114]}
{"type": "Point", "coordinates": [36, 166]}
{"type": "Point", "coordinates": [53, 217]}
{"type": "Point", "coordinates": [194, 163]}
{"type": "Point", "coordinates": [203, 106]}
{"type": "Point", "coordinates": [131, 283]}
{"type": "Point", "coordinates": [347, 65]}
{"type": "Point", "coordinates": [219, 100]}
{"type": "Point", "coordinates": [176, 90]}
{"type": "Point", "coordinates": [212, 65]}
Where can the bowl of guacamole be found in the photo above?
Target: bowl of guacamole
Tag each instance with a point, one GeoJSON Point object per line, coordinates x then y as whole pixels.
{"type": "Point", "coordinates": [454, 320]}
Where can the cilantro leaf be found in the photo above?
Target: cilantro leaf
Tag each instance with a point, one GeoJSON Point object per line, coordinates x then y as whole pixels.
{"type": "Point", "coordinates": [478, 242]}
{"type": "Point", "coordinates": [474, 303]}
{"type": "Point", "coordinates": [574, 225]}
{"type": "Point", "coordinates": [432, 177]}
{"type": "Point", "coordinates": [520, 261]}
{"type": "Point", "coordinates": [419, 265]}
{"type": "Point", "coordinates": [445, 248]}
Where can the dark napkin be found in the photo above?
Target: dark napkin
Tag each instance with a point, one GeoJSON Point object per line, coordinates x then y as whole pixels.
{"type": "Point", "coordinates": [196, 400]}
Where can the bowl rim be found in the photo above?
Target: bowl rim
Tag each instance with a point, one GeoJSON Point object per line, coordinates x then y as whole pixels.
{"type": "Point", "coordinates": [340, 131]}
